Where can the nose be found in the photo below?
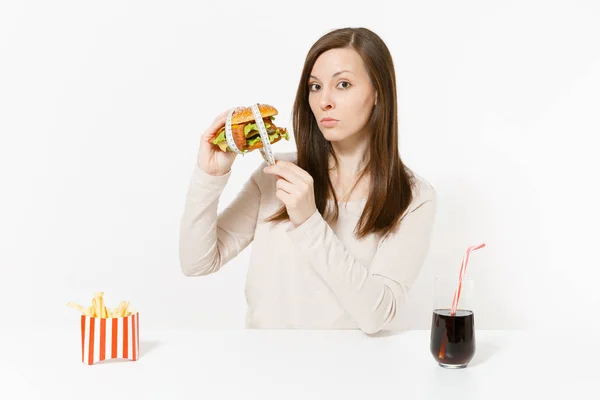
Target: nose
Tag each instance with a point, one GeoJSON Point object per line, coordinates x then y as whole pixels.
{"type": "Point", "coordinates": [326, 102]}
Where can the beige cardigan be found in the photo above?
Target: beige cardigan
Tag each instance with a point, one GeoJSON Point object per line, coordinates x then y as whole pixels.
{"type": "Point", "coordinates": [316, 276]}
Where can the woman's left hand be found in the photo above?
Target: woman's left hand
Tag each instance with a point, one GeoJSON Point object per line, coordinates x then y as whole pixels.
{"type": "Point", "coordinates": [295, 189]}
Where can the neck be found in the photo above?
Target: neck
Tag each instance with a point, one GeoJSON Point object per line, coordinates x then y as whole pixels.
{"type": "Point", "coordinates": [352, 157]}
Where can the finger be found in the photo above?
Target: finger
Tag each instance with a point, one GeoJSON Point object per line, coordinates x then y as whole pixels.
{"type": "Point", "coordinates": [283, 196]}
{"type": "Point", "coordinates": [302, 174]}
{"type": "Point", "coordinates": [283, 169]}
{"type": "Point", "coordinates": [216, 125]}
{"type": "Point", "coordinates": [286, 172]}
{"type": "Point", "coordinates": [283, 174]}
{"type": "Point", "coordinates": [286, 186]}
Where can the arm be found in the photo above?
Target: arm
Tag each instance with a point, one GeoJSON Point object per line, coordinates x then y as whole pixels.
{"type": "Point", "coordinates": [370, 298]}
{"type": "Point", "coordinates": [208, 241]}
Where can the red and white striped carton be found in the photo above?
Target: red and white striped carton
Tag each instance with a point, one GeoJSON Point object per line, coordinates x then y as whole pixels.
{"type": "Point", "coordinates": [107, 338]}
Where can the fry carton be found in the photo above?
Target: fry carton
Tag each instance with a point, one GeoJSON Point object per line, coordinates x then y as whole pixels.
{"type": "Point", "coordinates": [108, 338]}
{"type": "Point", "coordinates": [108, 333]}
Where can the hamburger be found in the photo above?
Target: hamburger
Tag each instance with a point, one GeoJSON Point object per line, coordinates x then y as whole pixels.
{"type": "Point", "coordinates": [245, 132]}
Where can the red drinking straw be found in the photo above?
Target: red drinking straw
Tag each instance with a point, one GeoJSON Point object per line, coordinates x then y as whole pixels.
{"type": "Point", "coordinates": [463, 267]}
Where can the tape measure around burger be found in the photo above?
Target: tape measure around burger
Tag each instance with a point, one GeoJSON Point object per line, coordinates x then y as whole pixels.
{"type": "Point", "coordinates": [266, 151]}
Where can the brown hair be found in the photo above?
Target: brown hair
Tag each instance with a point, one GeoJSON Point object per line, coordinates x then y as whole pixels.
{"type": "Point", "coordinates": [390, 191]}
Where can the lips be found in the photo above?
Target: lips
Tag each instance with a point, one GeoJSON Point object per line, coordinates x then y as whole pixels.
{"type": "Point", "coordinates": [328, 123]}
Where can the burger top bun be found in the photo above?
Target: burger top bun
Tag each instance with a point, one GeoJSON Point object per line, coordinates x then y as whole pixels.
{"type": "Point", "coordinates": [245, 114]}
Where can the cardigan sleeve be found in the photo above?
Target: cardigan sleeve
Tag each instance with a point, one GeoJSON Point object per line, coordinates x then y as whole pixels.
{"type": "Point", "coordinates": [208, 241]}
{"type": "Point", "coordinates": [371, 294]}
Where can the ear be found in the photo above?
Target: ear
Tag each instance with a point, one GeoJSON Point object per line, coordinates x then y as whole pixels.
{"type": "Point", "coordinates": [375, 98]}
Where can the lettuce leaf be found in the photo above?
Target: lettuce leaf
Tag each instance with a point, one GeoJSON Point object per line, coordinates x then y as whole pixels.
{"type": "Point", "coordinates": [220, 138]}
{"type": "Point", "coordinates": [272, 137]}
{"type": "Point", "coordinates": [252, 127]}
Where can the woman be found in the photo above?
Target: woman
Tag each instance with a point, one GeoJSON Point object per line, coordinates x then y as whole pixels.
{"type": "Point", "coordinates": [340, 228]}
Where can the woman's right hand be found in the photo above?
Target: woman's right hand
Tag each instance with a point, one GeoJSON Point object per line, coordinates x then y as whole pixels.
{"type": "Point", "coordinates": [211, 159]}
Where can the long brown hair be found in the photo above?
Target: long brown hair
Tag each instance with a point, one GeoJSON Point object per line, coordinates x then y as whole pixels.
{"type": "Point", "coordinates": [390, 191]}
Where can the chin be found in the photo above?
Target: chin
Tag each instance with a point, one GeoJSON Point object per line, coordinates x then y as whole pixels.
{"type": "Point", "coordinates": [332, 136]}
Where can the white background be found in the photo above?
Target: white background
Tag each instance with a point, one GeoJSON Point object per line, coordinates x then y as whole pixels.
{"type": "Point", "coordinates": [102, 106]}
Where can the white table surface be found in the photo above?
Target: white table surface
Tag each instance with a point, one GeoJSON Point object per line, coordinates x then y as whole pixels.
{"type": "Point", "coordinates": [289, 364]}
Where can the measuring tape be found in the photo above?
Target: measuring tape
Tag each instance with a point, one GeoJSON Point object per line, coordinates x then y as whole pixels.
{"type": "Point", "coordinates": [265, 151]}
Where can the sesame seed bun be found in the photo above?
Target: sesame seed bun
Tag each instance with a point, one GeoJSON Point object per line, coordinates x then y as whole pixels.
{"type": "Point", "coordinates": [245, 114]}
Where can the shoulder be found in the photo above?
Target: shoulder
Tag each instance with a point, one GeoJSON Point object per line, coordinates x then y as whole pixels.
{"type": "Point", "coordinates": [423, 191]}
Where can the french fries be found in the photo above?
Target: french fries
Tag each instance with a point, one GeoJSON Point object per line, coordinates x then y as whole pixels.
{"type": "Point", "coordinates": [98, 308]}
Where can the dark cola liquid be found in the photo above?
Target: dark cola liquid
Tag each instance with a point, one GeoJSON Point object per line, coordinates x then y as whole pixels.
{"type": "Point", "coordinates": [452, 337]}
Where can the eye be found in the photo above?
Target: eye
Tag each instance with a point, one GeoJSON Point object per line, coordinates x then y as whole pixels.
{"type": "Point", "coordinates": [347, 84]}
{"type": "Point", "coordinates": [310, 86]}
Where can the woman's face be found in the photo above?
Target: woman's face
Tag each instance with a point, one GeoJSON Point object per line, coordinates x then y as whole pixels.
{"type": "Point", "coordinates": [340, 88]}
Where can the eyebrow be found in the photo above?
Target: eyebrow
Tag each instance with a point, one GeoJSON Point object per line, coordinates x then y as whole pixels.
{"type": "Point", "coordinates": [334, 75]}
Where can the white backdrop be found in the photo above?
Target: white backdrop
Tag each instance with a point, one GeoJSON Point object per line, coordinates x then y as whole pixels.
{"type": "Point", "coordinates": [102, 106]}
